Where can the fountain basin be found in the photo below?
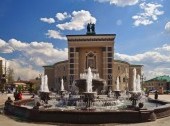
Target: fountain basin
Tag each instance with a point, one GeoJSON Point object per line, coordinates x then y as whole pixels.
{"type": "Point", "coordinates": [88, 116]}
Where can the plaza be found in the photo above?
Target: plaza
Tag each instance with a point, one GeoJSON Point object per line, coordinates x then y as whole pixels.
{"type": "Point", "coordinates": [99, 79]}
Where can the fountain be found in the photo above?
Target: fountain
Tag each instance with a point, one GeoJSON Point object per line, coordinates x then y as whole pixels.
{"type": "Point", "coordinates": [88, 107]}
{"type": "Point", "coordinates": [44, 90]}
{"type": "Point", "coordinates": [136, 92]}
{"type": "Point", "coordinates": [62, 90]}
{"type": "Point", "coordinates": [44, 84]}
{"type": "Point", "coordinates": [89, 94]}
{"type": "Point", "coordinates": [117, 91]}
{"type": "Point", "coordinates": [138, 84]}
{"type": "Point", "coordinates": [97, 84]}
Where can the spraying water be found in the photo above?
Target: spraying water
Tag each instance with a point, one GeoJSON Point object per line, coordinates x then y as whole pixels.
{"type": "Point", "coordinates": [134, 79]}
{"type": "Point", "coordinates": [138, 85]}
{"type": "Point", "coordinates": [62, 85]}
{"type": "Point", "coordinates": [44, 84]}
{"type": "Point", "coordinates": [89, 80]}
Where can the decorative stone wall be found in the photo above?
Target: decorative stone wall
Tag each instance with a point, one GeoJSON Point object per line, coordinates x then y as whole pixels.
{"type": "Point", "coordinates": [85, 116]}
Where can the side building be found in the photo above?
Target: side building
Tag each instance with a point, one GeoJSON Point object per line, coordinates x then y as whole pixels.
{"type": "Point", "coordinates": [121, 69]}
{"type": "Point", "coordinates": [161, 84]}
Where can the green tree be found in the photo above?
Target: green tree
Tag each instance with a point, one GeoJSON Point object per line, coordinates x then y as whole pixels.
{"type": "Point", "coordinates": [30, 87]}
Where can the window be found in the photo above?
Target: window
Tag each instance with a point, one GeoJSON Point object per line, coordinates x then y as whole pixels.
{"type": "Point", "coordinates": [109, 54]}
{"type": "Point", "coordinates": [91, 60]}
{"type": "Point", "coordinates": [64, 78]}
{"type": "Point", "coordinates": [104, 49]}
{"type": "Point", "coordinates": [71, 54]}
{"type": "Point", "coordinates": [124, 79]}
{"type": "Point", "coordinates": [109, 77]}
{"type": "Point", "coordinates": [109, 48]}
{"type": "Point", "coordinates": [109, 65]}
{"type": "Point", "coordinates": [77, 49]}
{"type": "Point", "coordinates": [71, 49]}
{"type": "Point", "coordinates": [109, 59]}
{"type": "Point", "coordinates": [71, 79]}
{"type": "Point", "coordinates": [109, 82]}
{"type": "Point", "coordinates": [109, 70]}
{"type": "Point", "coordinates": [71, 71]}
{"type": "Point", "coordinates": [71, 60]}
{"type": "Point", "coordinates": [71, 65]}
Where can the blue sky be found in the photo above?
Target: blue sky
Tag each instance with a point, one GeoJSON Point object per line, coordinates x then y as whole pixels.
{"type": "Point", "coordinates": [32, 33]}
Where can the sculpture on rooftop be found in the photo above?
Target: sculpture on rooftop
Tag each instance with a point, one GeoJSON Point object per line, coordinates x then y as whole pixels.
{"type": "Point", "coordinates": [90, 29]}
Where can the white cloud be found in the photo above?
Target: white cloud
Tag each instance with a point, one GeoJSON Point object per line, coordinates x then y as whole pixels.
{"type": "Point", "coordinates": [48, 20]}
{"type": "Point", "coordinates": [62, 16]}
{"type": "Point", "coordinates": [150, 14]}
{"type": "Point", "coordinates": [55, 34]}
{"type": "Point", "coordinates": [120, 3]}
{"type": "Point", "coordinates": [17, 45]}
{"type": "Point", "coordinates": [167, 27]}
{"type": "Point", "coordinates": [32, 56]}
{"type": "Point", "coordinates": [24, 72]}
{"type": "Point", "coordinates": [156, 62]}
{"type": "Point", "coordinates": [78, 21]}
{"type": "Point", "coordinates": [4, 47]}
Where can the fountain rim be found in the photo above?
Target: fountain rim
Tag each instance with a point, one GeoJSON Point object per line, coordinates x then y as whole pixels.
{"type": "Point", "coordinates": [156, 113]}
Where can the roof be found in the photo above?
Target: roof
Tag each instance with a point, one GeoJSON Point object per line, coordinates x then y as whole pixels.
{"type": "Point", "coordinates": [94, 35]}
{"type": "Point", "coordinates": [51, 66]}
{"type": "Point", "coordinates": [121, 61]}
{"type": "Point", "coordinates": [65, 61]}
{"type": "Point", "coordinates": [136, 65]}
{"type": "Point", "coordinates": [161, 78]}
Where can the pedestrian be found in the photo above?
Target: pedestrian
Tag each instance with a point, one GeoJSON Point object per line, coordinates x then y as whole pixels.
{"type": "Point", "coordinates": [19, 96]}
{"type": "Point", "coordinates": [156, 95]}
{"type": "Point", "coordinates": [15, 95]}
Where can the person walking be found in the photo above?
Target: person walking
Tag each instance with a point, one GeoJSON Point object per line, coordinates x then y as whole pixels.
{"type": "Point", "coordinates": [156, 95]}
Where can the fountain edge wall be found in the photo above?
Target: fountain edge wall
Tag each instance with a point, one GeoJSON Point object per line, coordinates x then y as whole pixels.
{"type": "Point", "coordinates": [80, 116]}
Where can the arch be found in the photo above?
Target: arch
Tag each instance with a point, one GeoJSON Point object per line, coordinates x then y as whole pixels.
{"type": "Point", "coordinates": [91, 60]}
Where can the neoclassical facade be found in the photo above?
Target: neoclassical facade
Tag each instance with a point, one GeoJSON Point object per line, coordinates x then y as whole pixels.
{"type": "Point", "coordinates": [97, 52]}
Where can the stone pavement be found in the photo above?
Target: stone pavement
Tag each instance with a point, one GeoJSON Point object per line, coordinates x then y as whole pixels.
{"type": "Point", "coordinates": [12, 121]}
{"type": "Point", "coordinates": [162, 97]}
{"type": "Point", "coordinates": [3, 98]}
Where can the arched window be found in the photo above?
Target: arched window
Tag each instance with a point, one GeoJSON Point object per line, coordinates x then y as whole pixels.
{"type": "Point", "coordinates": [91, 60]}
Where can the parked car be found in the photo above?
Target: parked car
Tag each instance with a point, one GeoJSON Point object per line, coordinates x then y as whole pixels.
{"type": "Point", "coordinates": [166, 91]}
{"type": "Point", "coordinates": [152, 91]}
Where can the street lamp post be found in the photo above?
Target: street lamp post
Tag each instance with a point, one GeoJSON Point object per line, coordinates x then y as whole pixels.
{"type": "Point", "coordinates": [142, 78]}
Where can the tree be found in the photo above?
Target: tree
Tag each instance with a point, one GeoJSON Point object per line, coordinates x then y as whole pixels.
{"type": "Point", "coordinates": [10, 75]}
{"type": "Point", "coordinates": [30, 87]}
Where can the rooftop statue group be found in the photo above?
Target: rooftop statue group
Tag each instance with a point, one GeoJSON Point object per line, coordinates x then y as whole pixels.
{"type": "Point", "coordinates": [90, 28]}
